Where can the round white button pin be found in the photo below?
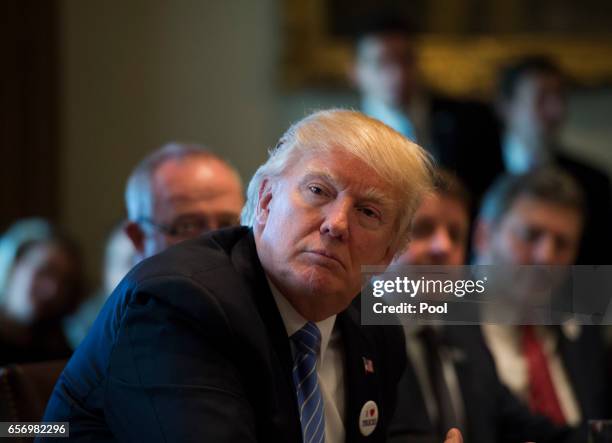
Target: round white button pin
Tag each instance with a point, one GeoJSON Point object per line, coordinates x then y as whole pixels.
{"type": "Point", "coordinates": [368, 418]}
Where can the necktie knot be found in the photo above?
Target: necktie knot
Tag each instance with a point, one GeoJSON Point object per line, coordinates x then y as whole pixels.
{"type": "Point", "coordinates": [529, 334]}
{"type": "Point", "coordinates": [308, 339]}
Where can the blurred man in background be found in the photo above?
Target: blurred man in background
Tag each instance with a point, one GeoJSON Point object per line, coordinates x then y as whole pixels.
{"type": "Point", "coordinates": [532, 106]}
{"type": "Point", "coordinates": [387, 76]}
{"type": "Point", "coordinates": [537, 219]}
{"type": "Point", "coordinates": [42, 283]}
{"type": "Point", "coordinates": [467, 137]}
{"type": "Point", "coordinates": [176, 193]}
{"type": "Point", "coordinates": [441, 225]}
{"type": "Point", "coordinates": [179, 192]}
{"type": "Point", "coordinates": [450, 379]}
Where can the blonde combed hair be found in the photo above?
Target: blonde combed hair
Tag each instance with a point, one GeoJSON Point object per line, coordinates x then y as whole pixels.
{"type": "Point", "coordinates": [405, 166]}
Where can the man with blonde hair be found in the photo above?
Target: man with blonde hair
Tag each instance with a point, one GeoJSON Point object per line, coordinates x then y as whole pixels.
{"type": "Point", "coordinates": [250, 333]}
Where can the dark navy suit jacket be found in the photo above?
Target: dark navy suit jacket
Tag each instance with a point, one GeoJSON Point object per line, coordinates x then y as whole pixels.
{"type": "Point", "coordinates": [191, 348]}
{"type": "Point", "coordinates": [492, 413]}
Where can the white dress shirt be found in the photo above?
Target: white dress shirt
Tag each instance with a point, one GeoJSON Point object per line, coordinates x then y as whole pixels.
{"type": "Point", "coordinates": [504, 341]}
{"type": "Point", "coordinates": [519, 159]}
{"type": "Point", "coordinates": [330, 366]}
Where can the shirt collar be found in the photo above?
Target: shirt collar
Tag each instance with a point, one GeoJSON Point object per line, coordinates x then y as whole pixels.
{"type": "Point", "coordinates": [294, 321]}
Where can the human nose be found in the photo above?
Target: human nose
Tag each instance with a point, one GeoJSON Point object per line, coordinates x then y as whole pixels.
{"type": "Point", "coordinates": [336, 221]}
{"type": "Point", "coordinates": [545, 251]}
{"type": "Point", "coordinates": [440, 243]}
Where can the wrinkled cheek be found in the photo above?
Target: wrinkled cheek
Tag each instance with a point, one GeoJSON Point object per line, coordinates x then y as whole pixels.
{"type": "Point", "coordinates": [373, 257]}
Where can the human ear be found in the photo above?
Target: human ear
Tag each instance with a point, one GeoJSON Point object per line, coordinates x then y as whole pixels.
{"type": "Point", "coordinates": [135, 234]}
{"type": "Point", "coordinates": [263, 202]}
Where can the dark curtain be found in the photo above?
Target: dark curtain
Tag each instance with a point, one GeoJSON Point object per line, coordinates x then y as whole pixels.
{"type": "Point", "coordinates": [28, 109]}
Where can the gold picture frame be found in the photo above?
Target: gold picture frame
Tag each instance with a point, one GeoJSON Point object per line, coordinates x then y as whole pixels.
{"type": "Point", "coordinates": [457, 65]}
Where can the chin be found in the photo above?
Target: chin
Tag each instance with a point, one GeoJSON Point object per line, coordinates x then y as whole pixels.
{"type": "Point", "coordinates": [316, 280]}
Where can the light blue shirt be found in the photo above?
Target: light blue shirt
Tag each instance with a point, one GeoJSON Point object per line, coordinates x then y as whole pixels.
{"type": "Point", "coordinates": [519, 159]}
{"type": "Point", "coordinates": [397, 119]}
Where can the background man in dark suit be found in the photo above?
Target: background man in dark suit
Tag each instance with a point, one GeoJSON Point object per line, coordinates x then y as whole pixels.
{"type": "Point", "coordinates": [558, 371]}
{"type": "Point", "coordinates": [468, 137]}
{"type": "Point", "coordinates": [450, 369]}
{"type": "Point", "coordinates": [386, 73]}
{"type": "Point", "coordinates": [175, 193]}
{"type": "Point", "coordinates": [250, 334]}
{"type": "Point", "coordinates": [532, 106]}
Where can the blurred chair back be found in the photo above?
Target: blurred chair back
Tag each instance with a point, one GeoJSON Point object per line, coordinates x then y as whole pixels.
{"type": "Point", "coordinates": [26, 388]}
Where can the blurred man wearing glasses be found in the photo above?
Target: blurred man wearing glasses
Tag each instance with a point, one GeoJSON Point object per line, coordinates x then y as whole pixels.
{"type": "Point", "coordinates": [179, 192]}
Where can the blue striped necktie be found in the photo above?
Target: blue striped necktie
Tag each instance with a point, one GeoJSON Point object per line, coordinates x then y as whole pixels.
{"type": "Point", "coordinates": [307, 342]}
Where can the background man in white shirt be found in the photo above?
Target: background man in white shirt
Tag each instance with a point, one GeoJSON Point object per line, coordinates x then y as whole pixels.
{"type": "Point", "coordinates": [537, 219]}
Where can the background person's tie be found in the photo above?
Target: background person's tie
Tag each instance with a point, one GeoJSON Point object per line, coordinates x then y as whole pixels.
{"type": "Point", "coordinates": [307, 342]}
{"type": "Point", "coordinates": [542, 394]}
{"type": "Point", "coordinates": [447, 415]}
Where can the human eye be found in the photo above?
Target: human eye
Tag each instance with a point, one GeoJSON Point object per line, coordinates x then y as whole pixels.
{"type": "Point", "coordinates": [316, 189]}
{"type": "Point", "coordinates": [369, 212]}
{"type": "Point", "coordinates": [455, 233]}
{"type": "Point", "coordinates": [528, 234]}
{"type": "Point", "coordinates": [370, 217]}
{"type": "Point", "coordinates": [562, 243]}
{"type": "Point", "coordinates": [190, 227]}
{"type": "Point", "coordinates": [316, 192]}
{"type": "Point", "coordinates": [422, 228]}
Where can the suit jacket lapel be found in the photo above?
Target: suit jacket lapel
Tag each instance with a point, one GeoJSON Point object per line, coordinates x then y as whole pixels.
{"type": "Point", "coordinates": [572, 359]}
{"type": "Point", "coordinates": [361, 385]}
{"type": "Point", "coordinates": [247, 264]}
{"type": "Point", "coordinates": [411, 415]}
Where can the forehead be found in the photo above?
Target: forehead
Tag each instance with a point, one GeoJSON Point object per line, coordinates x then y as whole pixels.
{"type": "Point", "coordinates": [345, 171]}
{"type": "Point", "coordinates": [383, 44]}
{"type": "Point", "coordinates": [43, 253]}
{"type": "Point", "coordinates": [532, 84]}
{"type": "Point", "coordinates": [193, 177]}
{"type": "Point", "coordinates": [536, 212]}
{"type": "Point", "coordinates": [194, 185]}
{"type": "Point", "coordinates": [443, 205]}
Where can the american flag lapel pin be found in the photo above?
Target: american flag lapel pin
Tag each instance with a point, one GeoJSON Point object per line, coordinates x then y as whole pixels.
{"type": "Point", "coordinates": [368, 365]}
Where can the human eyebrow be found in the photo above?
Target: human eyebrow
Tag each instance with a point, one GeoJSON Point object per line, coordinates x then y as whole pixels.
{"type": "Point", "coordinates": [371, 195]}
{"type": "Point", "coordinates": [376, 196]}
{"type": "Point", "coordinates": [312, 174]}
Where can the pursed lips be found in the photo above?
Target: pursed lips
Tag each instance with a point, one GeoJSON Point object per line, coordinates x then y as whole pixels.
{"type": "Point", "coordinates": [325, 254]}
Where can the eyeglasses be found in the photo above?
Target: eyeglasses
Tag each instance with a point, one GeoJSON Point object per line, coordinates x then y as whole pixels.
{"type": "Point", "coordinates": [190, 226]}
